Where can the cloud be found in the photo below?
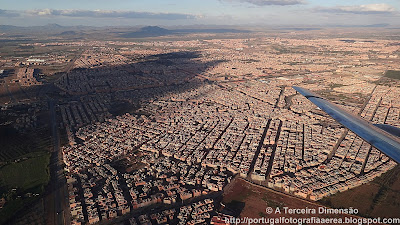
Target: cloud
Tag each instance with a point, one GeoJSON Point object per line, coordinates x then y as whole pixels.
{"type": "Point", "coordinates": [96, 14]}
{"type": "Point", "coordinates": [381, 8]}
{"type": "Point", "coordinates": [109, 14]}
{"type": "Point", "coordinates": [270, 2]}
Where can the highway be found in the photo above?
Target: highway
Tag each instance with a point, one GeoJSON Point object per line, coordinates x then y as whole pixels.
{"type": "Point", "coordinates": [56, 198]}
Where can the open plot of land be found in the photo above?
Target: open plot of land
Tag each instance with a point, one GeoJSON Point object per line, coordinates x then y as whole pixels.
{"type": "Point", "coordinates": [395, 74]}
{"type": "Point", "coordinates": [9, 210]}
{"type": "Point", "coordinates": [33, 215]}
{"type": "Point", "coordinates": [5, 93]}
{"type": "Point", "coordinates": [379, 198]}
{"type": "Point", "coordinates": [249, 200]}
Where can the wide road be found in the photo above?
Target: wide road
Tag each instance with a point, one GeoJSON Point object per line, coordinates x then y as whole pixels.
{"type": "Point", "coordinates": [56, 199]}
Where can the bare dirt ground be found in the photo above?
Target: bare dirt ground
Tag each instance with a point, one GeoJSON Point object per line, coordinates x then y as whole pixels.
{"type": "Point", "coordinates": [379, 198]}
{"type": "Point", "coordinates": [248, 200]}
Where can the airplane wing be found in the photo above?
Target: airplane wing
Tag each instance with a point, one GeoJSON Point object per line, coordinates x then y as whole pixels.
{"type": "Point", "coordinates": [373, 134]}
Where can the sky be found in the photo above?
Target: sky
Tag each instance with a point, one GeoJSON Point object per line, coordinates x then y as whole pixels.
{"type": "Point", "coordinates": [200, 12]}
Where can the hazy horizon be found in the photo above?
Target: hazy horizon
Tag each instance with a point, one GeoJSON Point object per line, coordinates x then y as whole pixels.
{"type": "Point", "coordinates": [207, 12]}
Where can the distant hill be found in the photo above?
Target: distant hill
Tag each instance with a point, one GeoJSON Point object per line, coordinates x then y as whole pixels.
{"type": "Point", "coordinates": [4, 28]}
{"type": "Point", "coordinates": [153, 29]}
{"type": "Point", "coordinates": [67, 33]}
{"type": "Point", "coordinates": [53, 26]}
{"type": "Point", "coordinates": [149, 31]}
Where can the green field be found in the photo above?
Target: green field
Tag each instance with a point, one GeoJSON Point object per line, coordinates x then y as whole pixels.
{"type": "Point", "coordinates": [15, 145]}
{"type": "Point", "coordinates": [394, 74]}
{"type": "Point", "coordinates": [19, 178]}
{"type": "Point", "coordinates": [28, 175]}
